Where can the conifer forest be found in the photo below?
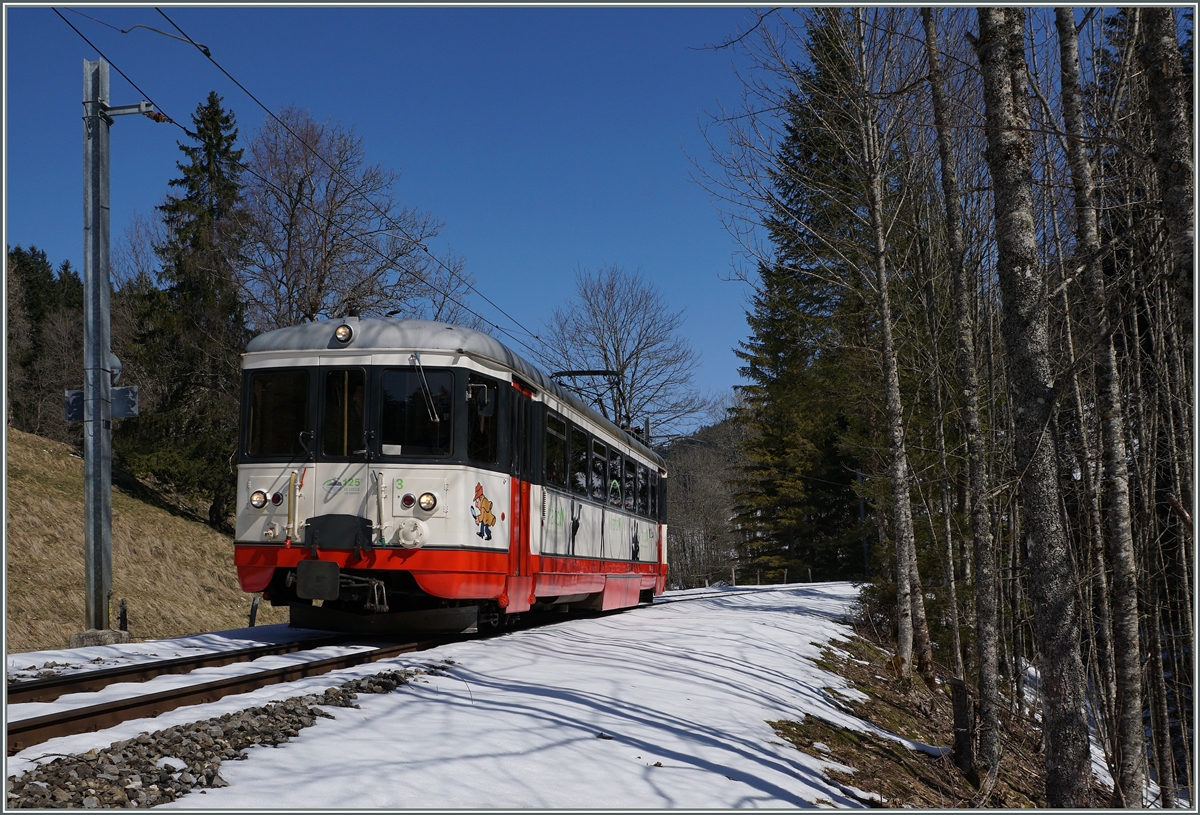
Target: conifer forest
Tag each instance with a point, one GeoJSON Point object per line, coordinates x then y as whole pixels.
{"type": "Point", "coordinates": [967, 377]}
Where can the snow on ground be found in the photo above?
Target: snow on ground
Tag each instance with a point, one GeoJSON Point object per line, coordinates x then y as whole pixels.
{"type": "Point", "coordinates": [664, 706]}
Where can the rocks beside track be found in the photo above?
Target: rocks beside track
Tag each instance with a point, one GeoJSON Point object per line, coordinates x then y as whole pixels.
{"type": "Point", "coordinates": [154, 768]}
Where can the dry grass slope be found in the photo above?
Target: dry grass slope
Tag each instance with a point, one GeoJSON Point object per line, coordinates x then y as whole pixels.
{"type": "Point", "coordinates": [176, 574]}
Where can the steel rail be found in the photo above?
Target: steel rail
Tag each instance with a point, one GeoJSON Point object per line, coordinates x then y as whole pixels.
{"type": "Point", "coordinates": [46, 689]}
{"type": "Point", "coordinates": [26, 732]}
{"type": "Point", "coordinates": [665, 601]}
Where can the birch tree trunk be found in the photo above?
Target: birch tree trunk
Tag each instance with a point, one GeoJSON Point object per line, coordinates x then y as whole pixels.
{"type": "Point", "coordinates": [1169, 86]}
{"type": "Point", "coordinates": [1001, 51]}
{"type": "Point", "coordinates": [1129, 744]}
{"type": "Point", "coordinates": [988, 755]}
{"type": "Point", "coordinates": [910, 601]}
{"type": "Point", "coordinates": [1160, 716]}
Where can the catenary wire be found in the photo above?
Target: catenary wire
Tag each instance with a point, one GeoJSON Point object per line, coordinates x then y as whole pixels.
{"type": "Point", "coordinates": [366, 198]}
{"type": "Point", "coordinates": [203, 48]}
{"type": "Point", "coordinates": [93, 19]}
{"type": "Point", "coordinates": [345, 232]}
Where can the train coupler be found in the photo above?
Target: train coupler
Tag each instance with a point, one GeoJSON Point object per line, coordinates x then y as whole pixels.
{"type": "Point", "coordinates": [378, 600]}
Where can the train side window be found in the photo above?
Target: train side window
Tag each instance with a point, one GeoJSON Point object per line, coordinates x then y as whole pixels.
{"type": "Point", "coordinates": [277, 413]}
{"type": "Point", "coordinates": [643, 491]}
{"type": "Point", "coordinates": [599, 471]}
{"type": "Point", "coordinates": [481, 420]}
{"type": "Point", "coordinates": [556, 451]}
{"type": "Point", "coordinates": [579, 462]}
{"type": "Point", "coordinates": [653, 494]}
{"type": "Point", "coordinates": [345, 412]}
{"type": "Point", "coordinates": [417, 412]}
{"type": "Point", "coordinates": [630, 485]}
{"type": "Point", "coordinates": [614, 474]}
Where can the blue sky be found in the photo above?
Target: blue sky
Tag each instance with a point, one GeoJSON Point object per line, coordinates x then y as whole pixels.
{"type": "Point", "coordinates": [544, 139]}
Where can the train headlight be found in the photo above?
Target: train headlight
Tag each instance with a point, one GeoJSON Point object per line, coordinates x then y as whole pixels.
{"type": "Point", "coordinates": [258, 499]}
{"type": "Point", "coordinates": [343, 333]}
{"type": "Point", "coordinates": [427, 501]}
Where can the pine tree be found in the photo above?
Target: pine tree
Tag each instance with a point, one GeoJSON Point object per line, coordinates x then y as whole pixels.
{"type": "Point", "coordinates": [191, 327]}
{"type": "Point", "coordinates": [796, 504]}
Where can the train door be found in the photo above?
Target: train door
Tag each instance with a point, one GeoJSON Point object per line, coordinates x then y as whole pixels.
{"type": "Point", "coordinates": [521, 467]}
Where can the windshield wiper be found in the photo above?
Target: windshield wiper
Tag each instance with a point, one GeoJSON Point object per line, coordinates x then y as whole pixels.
{"type": "Point", "coordinates": [433, 417]}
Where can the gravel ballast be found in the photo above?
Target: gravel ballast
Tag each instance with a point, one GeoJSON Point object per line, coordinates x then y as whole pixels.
{"type": "Point", "coordinates": [157, 767]}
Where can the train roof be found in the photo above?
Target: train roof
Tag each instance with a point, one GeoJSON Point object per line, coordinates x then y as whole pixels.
{"type": "Point", "coordinates": [390, 334]}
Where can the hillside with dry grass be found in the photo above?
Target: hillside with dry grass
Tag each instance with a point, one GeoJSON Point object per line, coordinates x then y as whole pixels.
{"type": "Point", "coordinates": [175, 573]}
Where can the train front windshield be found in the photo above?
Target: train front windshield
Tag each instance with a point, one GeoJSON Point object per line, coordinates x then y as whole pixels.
{"type": "Point", "coordinates": [344, 414]}
{"type": "Point", "coordinates": [417, 417]}
{"type": "Point", "coordinates": [277, 413]}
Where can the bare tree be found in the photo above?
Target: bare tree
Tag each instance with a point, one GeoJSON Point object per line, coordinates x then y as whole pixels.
{"type": "Point", "coordinates": [1001, 50]}
{"type": "Point", "coordinates": [703, 545]}
{"type": "Point", "coordinates": [844, 212]}
{"type": "Point", "coordinates": [620, 322]}
{"type": "Point", "coordinates": [1169, 88]}
{"type": "Point", "coordinates": [444, 295]}
{"type": "Point", "coordinates": [133, 253]}
{"type": "Point", "coordinates": [327, 236]}
{"type": "Point", "coordinates": [968, 380]}
{"type": "Point", "coordinates": [1119, 532]}
{"type": "Point", "coordinates": [57, 369]}
{"type": "Point", "coordinates": [136, 301]}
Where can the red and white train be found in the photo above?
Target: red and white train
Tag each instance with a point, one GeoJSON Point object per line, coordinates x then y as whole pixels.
{"type": "Point", "coordinates": [413, 471]}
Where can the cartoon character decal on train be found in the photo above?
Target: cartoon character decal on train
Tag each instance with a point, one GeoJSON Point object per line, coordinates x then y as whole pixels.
{"type": "Point", "coordinates": [481, 511]}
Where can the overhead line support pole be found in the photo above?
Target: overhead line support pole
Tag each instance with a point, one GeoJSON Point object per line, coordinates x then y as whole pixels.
{"type": "Point", "coordinates": [99, 364]}
{"type": "Point", "coordinates": [97, 383]}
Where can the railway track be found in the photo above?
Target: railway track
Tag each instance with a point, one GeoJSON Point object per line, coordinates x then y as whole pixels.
{"type": "Point", "coordinates": [733, 591]}
{"type": "Point", "coordinates": [47, 689]}
{"type": "Point", "coordinates": [35, 730]}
